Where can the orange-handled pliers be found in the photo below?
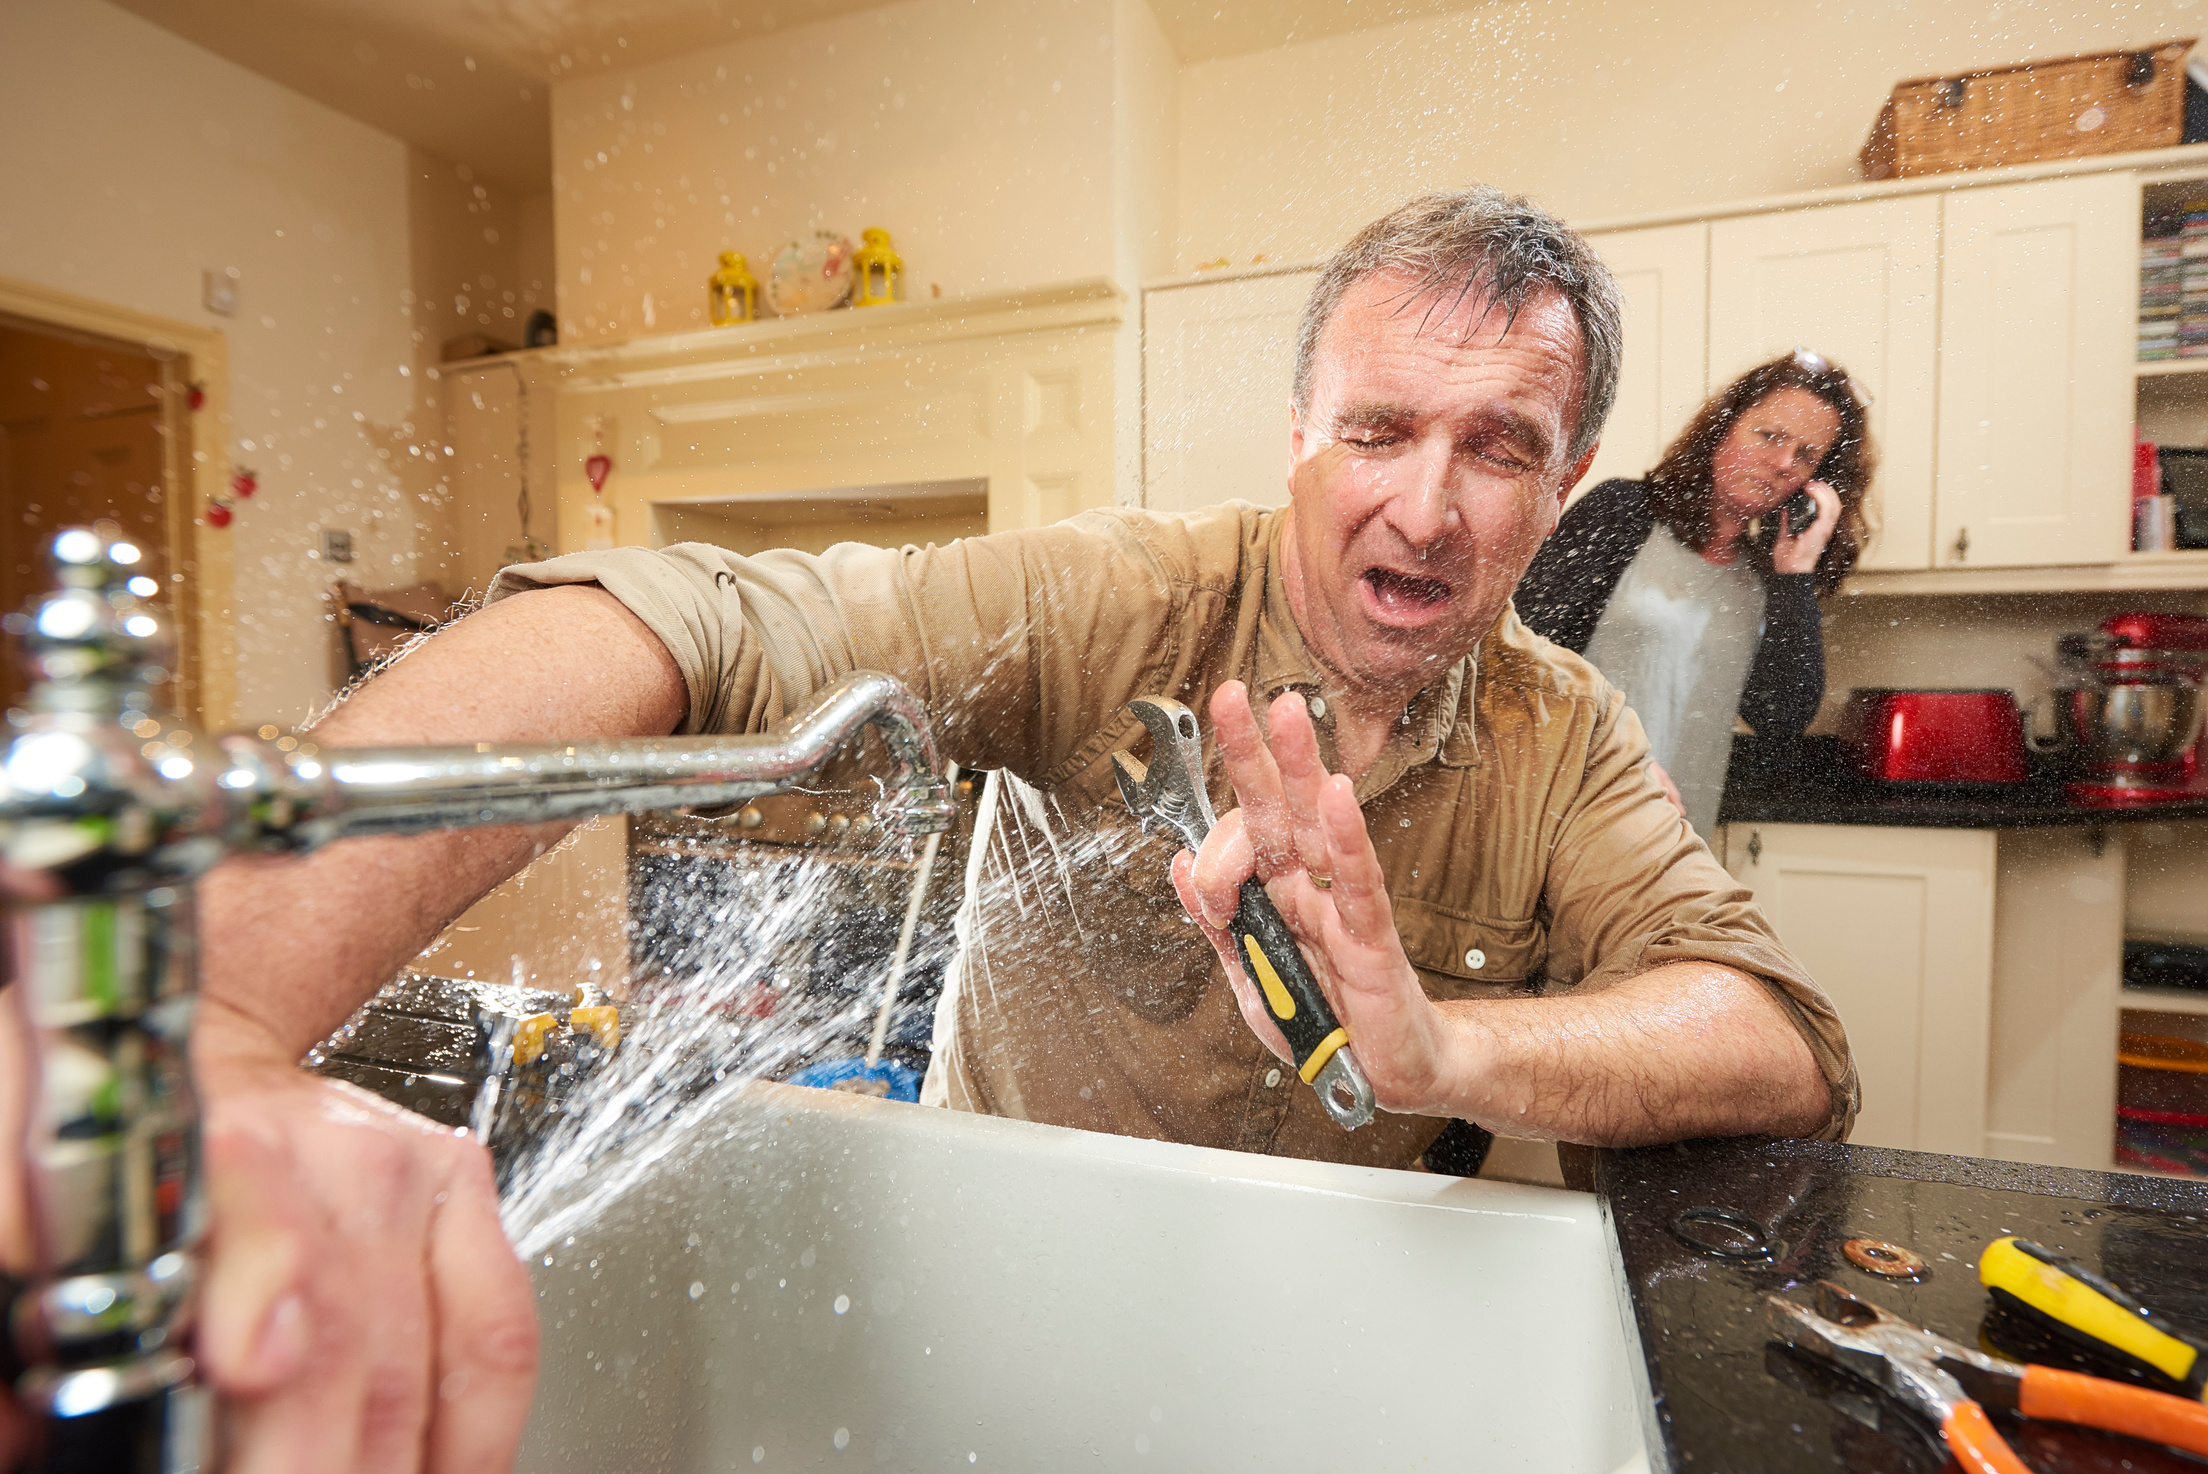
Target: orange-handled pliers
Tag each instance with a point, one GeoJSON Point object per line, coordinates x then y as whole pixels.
{"type": "Point", "coordinates": [1953, 1385]}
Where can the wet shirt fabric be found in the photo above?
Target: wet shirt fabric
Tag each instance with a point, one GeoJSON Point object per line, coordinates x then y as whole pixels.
{"type": "Point", "coordinates": [1677, 638]}
{"type": "Point", "coordinates": [1525, 845]}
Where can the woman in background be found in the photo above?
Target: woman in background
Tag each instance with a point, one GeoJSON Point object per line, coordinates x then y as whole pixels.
{"type": "Point", "coordinates": [1694, 590]}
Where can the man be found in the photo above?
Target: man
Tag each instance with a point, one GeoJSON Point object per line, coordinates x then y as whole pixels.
{"type": "Point", "coordinates": [1453, 372]}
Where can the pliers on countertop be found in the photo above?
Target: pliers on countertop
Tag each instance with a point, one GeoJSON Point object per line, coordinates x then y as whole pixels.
{"type": "Point", "coordinates": [1953, 1385]}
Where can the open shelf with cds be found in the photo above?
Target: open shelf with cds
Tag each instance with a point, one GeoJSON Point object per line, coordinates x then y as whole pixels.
{"type": "Point", "coordinates": [2172, 372]}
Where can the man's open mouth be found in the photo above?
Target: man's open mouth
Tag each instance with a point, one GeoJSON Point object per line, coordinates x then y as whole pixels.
{"type": "Point", "coordinates": [1404, 594]}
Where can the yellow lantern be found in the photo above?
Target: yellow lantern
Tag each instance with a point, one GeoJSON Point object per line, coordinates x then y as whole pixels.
{"type": "Point", "coordinates": [877, 271]}
{"type": "Point", "coordinates": [732, 294]}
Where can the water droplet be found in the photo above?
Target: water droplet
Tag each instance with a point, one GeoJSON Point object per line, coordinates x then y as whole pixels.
{"type": "Point", "coordinates": [758, 1455]}
{"type": "Point", "coordinates": [843, 1438]}
{"type": "Point", "coordinates": [697, 1289]}
{"type": "Point", "coordinates": [843, 1303]}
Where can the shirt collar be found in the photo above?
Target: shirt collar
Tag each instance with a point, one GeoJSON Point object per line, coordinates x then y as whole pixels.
{"type": "Point", "coordinates": [1429, 731]}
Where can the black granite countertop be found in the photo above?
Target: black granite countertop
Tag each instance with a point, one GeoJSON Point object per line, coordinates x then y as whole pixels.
{"type": "Point", "coordinates": [1810, 781]}
{"type": "Point", "coordinates": [1722, 1395]}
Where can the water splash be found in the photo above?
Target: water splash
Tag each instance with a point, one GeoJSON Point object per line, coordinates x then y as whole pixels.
{"type": "Point", "coordinates": [739, 997]}
{"type": "Point", "coordinates": [741, 1002]}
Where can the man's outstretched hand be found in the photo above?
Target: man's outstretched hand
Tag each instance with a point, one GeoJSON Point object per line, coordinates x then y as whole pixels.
{"type": "Point", "coordinates": [1297, 824]}
{"type": "Point", "coordinates": [1704, 1047]}
{"type": "Point", "coordinates": [363, 1309]}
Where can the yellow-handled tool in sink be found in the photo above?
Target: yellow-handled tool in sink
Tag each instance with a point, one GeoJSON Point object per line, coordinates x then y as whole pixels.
{"type": "Point", "coordinates": [2088, 1309]}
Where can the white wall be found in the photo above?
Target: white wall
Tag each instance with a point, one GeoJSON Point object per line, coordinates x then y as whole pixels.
{"type": "Point", "coordinates": [139, 160]}
{"type": "Point", "coordinates": [978, 132]}
{"type": "Point", "coordinates": [1596, 108]}
{"type": "Point", "coordinates": [1146, 129]}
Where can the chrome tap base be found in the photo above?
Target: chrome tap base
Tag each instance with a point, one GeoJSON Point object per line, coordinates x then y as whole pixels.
{"type": "Point", "coordinates": [108, 809]}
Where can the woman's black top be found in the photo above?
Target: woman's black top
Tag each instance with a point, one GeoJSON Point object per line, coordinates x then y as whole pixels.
{"type": "Point", "coordinates": [1572, 578]}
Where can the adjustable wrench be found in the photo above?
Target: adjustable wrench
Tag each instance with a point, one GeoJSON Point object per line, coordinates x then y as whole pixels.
{"type": "Point", "coordinates": [1170, 792]}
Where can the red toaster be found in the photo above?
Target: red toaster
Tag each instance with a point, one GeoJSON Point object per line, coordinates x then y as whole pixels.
{"type": "Point", "coordinates": [1935, 736]}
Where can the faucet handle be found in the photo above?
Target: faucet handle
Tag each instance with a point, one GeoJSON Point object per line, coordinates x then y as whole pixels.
{"type": "Point", "coordinates": [93, 642]}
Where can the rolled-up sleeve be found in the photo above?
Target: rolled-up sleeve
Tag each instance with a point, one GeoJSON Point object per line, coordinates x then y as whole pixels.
{"type": "Point", "coordinates": [1630, 888]}
{"type": "Point", "coordinates": [1018, 644]}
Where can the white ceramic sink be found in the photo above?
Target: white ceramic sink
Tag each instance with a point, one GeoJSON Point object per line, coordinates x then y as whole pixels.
{"type": "Point", "coordinates": [836, 1282]}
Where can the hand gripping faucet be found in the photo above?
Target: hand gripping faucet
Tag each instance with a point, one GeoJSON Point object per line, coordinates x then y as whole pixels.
{"type": "Point", "coordinates": [108, 810]}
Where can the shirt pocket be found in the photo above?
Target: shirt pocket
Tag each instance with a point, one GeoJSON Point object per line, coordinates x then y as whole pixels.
{"type": "Point", "coordinates": [1460, 955]}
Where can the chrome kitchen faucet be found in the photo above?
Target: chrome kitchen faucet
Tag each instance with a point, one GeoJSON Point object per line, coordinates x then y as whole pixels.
{"type": "Point", "coordinates": [109, 808]}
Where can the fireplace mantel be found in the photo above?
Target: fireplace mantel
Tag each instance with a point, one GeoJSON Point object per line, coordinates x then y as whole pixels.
{"type": "Point", "coordinates": [1014, 389]}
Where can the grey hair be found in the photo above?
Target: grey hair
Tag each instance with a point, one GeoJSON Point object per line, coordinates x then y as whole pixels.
{"type": "Point", "coordinates": [1502, 246]}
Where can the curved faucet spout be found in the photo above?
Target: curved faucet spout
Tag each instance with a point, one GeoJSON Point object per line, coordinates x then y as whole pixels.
{"type": "Point", "coordinates": [311, 796]}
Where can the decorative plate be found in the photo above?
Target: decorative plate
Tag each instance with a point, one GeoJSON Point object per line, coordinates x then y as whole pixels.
{"type": "Point", "coordinates": [812, 274]}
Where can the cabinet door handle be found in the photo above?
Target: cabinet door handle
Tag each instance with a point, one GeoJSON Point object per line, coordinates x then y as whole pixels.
{"type": "Point", "coordinates": [1755, 847]}
{"type": "Point", "coordinates": [1962, 544]}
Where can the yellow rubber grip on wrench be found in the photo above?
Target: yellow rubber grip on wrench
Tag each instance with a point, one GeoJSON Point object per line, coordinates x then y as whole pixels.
{"type": "Point", "coordinates": [1319, 1056]}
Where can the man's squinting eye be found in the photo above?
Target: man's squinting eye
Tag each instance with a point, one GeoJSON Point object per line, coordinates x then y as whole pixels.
{"type": "Point", "coordinates": [1370, 437]}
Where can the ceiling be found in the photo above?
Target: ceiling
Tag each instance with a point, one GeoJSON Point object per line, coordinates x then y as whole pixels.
{"type": "Point", "coordinates": [467, 80]}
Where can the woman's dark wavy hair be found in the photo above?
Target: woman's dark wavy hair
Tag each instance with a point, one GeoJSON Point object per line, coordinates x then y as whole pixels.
{"type": "Point", "coordinates": [1679, 487]}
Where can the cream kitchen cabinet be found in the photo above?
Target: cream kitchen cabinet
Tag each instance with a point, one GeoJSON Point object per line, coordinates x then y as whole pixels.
{"type": "Point", "coordinates": [1896, 925]}
{"type": "Point", "coordinates": [2038, 296]}
{"type": "Point", "coordinates": [1218, 358]}
{"type": "Point", "coordinates": [1858, 283]}
{"type": "Point", "coordinates": [1972, 1037]}
{"type": "Point", "coordinates": [1663, 279]}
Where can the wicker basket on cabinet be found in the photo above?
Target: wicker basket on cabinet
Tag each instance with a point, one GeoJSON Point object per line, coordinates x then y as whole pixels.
{"type": "Point", "coordinates": [2108, 103]}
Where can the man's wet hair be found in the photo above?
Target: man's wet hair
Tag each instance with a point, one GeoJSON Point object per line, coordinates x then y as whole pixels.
{"type": "Point", "coordinates": [1501, 248]}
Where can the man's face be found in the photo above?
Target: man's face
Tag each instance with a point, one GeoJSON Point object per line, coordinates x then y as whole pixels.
{"type": "Point", "coordinates": [1426, 471]}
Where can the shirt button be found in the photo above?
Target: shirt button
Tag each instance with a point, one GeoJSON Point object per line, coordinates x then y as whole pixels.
{"type": "Point", "coordinates": [1272, 1078]}
{"type": "Point", "coordinates": [1318, 708]}
{"type": "Point", "coordinates": [1475, 959]}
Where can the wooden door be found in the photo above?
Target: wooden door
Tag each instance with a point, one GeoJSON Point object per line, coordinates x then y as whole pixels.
{"type": "Point", "coordinates": [1858, 284]}
{"type": "Point", "coordinates": [83, 438]}
{"type": "Point", "coordinates": [1896, 925]}
{"type": "Point", "coordinates": [1218, 359]}
{"type": "Point", "coordinates": [2038, 303]}
{"type": "Point", "coordinates": [1663, 277]}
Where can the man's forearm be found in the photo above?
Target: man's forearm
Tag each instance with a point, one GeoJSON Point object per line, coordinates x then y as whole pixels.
{"type": "Point", "coordinates": [1685, 1050]}
{"type": "Point", "coordinates": [289, 947]}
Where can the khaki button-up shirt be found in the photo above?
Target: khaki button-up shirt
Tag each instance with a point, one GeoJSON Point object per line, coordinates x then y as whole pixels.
{"type": "Point", "coordinates": [1523, 841]}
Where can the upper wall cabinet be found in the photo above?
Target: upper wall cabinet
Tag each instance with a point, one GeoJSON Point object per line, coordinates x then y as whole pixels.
{"type": "Point", "coordinates": [1663, 277]}
{"type": "Point", "coordinates": [2038, 293]}
{"type": "Point", "coordinates": [1217, 363]}
{"type": "Point", "coordinates": [1858, 284]}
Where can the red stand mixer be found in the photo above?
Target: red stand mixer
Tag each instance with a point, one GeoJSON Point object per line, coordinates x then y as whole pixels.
{"type": "Point", "coordinates": [2129, 710]}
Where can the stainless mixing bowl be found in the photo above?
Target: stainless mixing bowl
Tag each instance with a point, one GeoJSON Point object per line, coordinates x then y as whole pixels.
{"type": "Point", "coordinates": [2131, 723]}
